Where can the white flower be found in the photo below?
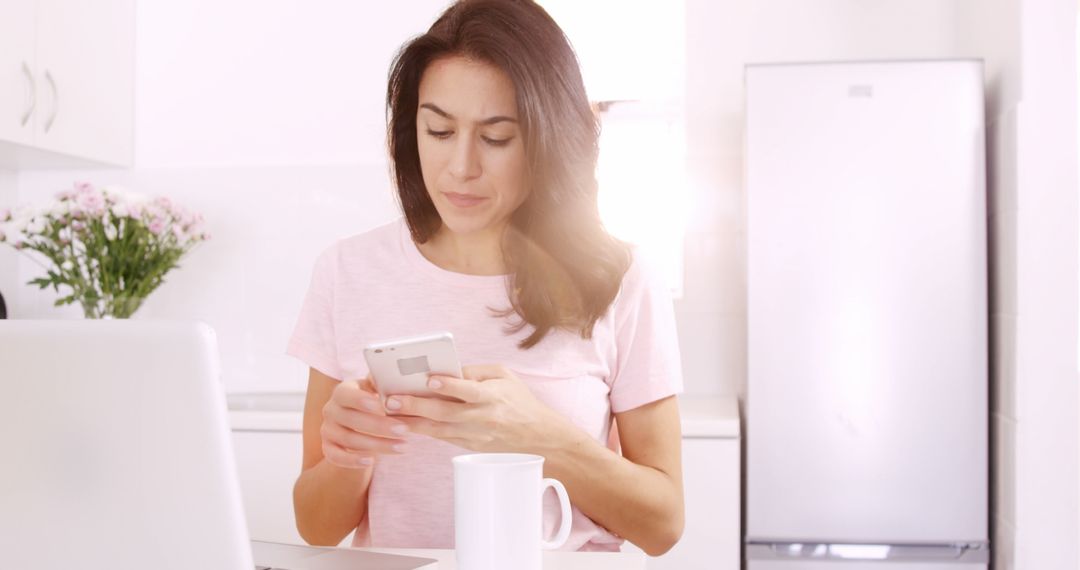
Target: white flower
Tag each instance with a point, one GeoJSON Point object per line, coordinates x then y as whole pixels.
{"type": "Point", "coordinates": [21, 221]}
{"type": "Point", "coordinates": [60, 209]}
{"type": "Point", "coordinates": [36, 226]}
{"type": "Point", "coordinates": [67, 265]}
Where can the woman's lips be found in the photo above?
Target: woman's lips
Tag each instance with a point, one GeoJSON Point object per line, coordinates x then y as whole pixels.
{"type": "Point", "coordinates": [463, 200]}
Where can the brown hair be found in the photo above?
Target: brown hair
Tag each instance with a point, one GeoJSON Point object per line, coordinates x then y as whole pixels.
{"type": "Point", "coordinates": [566, 268]}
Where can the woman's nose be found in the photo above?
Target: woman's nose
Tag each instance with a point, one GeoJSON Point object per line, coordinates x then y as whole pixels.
{"type": "Point", "coordinates": [465, 164]}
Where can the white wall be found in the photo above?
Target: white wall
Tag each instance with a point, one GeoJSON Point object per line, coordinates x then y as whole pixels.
{"type": "Point", "coordinates": [723, 36]}
{"type": "Point", "coordinates": [1047, 288]}
{"type": "Point", "coordinates": [1030, 51]}
{"type": "Point", "coordinates": [271, 124]}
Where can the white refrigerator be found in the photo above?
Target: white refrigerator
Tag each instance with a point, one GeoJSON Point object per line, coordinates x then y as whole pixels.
{"type": "Point", "coordinates": [866, 412]}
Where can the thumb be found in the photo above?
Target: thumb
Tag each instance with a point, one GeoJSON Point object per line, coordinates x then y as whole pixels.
{"type": "Point", "coordinates": [367, 384]}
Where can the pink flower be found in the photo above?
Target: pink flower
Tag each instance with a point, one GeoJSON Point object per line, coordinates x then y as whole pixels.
{"type": "Point", "coordinates": [20, 245]}
{"type": "Point", "coordinates": [64, 196]}
{"type": "Point", "coordinates": [178, 232]}
{"type": "Point", "coordinates": [83, 187]}
{"type": "Point", "coordinates": [92, 202]}
{"type": "Point", "coordinates": [157, 226]}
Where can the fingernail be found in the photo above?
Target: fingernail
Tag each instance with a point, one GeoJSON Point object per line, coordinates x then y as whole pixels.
{"type": "Point", "coordinates": [372, 405]}
{"type": "Point", "coordinates": [434, 384]}
{"type": "Point", "coordinates": [400, 429]}
{"type": "Point", "coordinates": [393, 404]}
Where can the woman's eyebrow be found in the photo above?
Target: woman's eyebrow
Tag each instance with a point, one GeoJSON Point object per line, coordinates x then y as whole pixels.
{"type": "Point", "coordinates": [488, 121]}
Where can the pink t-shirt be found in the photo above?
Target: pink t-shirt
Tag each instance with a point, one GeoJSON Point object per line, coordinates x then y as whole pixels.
{"type": "Point", "coordinates": [377, 285]}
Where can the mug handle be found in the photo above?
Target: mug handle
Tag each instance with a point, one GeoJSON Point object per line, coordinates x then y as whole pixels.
{"type": "Point", "coordinates": [567, 515]}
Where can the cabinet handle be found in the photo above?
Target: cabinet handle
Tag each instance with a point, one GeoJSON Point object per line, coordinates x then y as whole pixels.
{"type": "Point", "coordinates": [56, 101]}
{"type": "Point", "coordinates": [33, 94]}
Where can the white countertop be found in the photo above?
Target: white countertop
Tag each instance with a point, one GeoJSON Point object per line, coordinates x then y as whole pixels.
{"type": "Point", "coordinates": [300, 556]}
{"type": "Point", "coordinates": [553, 559]}
{"type": "Point", "coordinates": [702, 416]}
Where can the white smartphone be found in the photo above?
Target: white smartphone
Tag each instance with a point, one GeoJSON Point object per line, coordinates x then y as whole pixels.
{"type": "Point", "coordinates": [402, 366]}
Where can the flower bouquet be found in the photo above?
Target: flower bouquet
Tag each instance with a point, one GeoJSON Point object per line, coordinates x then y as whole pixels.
{"type": "Point", "coordinates": [111, 247]}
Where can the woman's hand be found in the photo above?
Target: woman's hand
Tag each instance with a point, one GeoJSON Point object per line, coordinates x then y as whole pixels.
{"type": "Point", "coordinates": [494, 411]}
{"type": "Point", "coordinates": [355, 428]}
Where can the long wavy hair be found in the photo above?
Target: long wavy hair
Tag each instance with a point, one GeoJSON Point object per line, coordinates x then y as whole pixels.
{"type": "Point", "coordinates": [565, 268]}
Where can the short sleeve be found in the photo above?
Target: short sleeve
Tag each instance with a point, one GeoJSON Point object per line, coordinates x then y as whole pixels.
{"type": "Point", "coordinates": [313, 339]}
{"type": "Point", "coordinates": [648, 366]}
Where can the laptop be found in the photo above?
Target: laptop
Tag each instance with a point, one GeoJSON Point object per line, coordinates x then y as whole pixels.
{"type": "Point", "coordinates": [117, 454]}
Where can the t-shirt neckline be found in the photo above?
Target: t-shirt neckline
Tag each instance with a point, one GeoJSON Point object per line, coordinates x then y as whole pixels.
{"type": "Point", "coordinates": [424, 265]}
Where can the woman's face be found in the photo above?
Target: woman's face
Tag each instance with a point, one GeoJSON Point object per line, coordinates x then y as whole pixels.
{"type": "Point", "coordinates": [472, 155]}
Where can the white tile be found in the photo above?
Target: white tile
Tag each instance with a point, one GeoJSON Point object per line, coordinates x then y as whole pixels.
{"type": "Point", "coordinates": [714, 278]}
{"type": "Point", "coordinates": [713, 347]}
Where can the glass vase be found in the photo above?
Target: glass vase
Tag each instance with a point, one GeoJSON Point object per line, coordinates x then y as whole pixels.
{"type": "Point", "coordinates": [111, 306]}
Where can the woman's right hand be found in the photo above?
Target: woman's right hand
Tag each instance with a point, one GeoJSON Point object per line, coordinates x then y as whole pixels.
{"type": "Point", "coordinates": [355, 427]}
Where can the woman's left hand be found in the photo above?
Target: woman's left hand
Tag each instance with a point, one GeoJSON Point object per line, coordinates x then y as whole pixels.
{"type": "Point", "coordinates": [496, 412]}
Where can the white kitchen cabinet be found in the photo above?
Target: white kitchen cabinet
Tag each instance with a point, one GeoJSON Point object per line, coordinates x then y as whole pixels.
{"type": "Point", "coordinates": [268, 463]}
{"type": "Point", "coordinates": [711, 485]}
{"type": "Point", "coordinates": [711, 489]}
{"type": "Point", "coordinates": [67, 89]}
{"type": "Point", "coordinates": [17, 66]}
{"type": "Point", "coordinates": [267, 443]}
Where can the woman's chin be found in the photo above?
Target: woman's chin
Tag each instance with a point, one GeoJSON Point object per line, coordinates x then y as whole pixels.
{"type": "Point", "coordinates": [465, 224]}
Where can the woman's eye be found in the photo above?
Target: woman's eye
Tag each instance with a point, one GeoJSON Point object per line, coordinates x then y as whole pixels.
{"type": "Point", "coordinates": [440, 134]}
{"type": "Point", "coordinates": [497, 142]}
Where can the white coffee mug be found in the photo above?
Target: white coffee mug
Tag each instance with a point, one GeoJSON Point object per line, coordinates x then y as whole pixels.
{"type": "Point", "coordinates": [498, 511]}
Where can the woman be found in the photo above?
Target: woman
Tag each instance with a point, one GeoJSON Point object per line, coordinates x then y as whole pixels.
{"type": "Point", "coordinates": [494, 148]}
